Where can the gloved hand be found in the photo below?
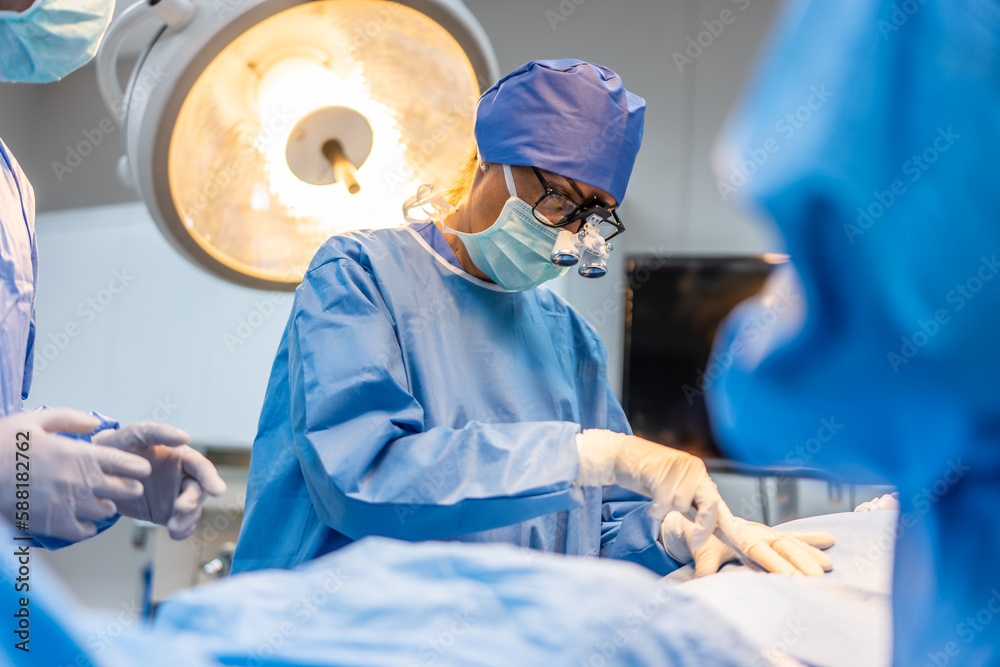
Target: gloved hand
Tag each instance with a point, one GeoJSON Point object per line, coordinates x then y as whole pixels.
{"type": "Point", "coordinates": [783, 553]}
{"type": "Point", "coordinates": [675, 480]}
{"type": "Point", "coordinates": [71, 483]}
{"type": "Point", "coordinates": [181, 477]}
{"type": "Point", "coordinates": [889, 501]}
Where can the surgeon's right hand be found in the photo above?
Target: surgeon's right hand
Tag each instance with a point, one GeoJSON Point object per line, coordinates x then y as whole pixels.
{"type": "Point", "coordinates": [70, 483]}
{"type": "Point", "coordinates": [675, 480]}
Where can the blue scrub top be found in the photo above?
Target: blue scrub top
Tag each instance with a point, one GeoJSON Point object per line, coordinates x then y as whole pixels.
{"type": "Point", "coordinates": [435, 239]}
{"type": "Point", "coordinates": [18, 283]}
{"type": "Point", "coordinates": [18, 287]}
{"type": "Point", "coordinates": [411, 400]}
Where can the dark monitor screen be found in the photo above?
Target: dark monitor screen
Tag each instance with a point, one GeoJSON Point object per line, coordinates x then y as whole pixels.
{"type": "Point", "coordinates": [674, 305]}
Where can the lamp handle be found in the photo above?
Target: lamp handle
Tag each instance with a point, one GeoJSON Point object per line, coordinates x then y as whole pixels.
{"type": "Point", "coordinates": [174, 13]}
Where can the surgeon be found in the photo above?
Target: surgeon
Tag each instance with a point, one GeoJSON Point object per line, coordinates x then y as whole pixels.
{"type": "Point", "coordinates": [74, 488]}
{"type": "Point", "coordinates": [428, 387]}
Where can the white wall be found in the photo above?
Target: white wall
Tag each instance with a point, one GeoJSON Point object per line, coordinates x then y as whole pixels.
{"type": "Point", "coordinates": [127, 327]}
{"type": "Point", "coordinates": [162, 338]}
{"type": "Point", "coordinates": [41, 123]}
{"type": "Point", "coordinates": [17, 114]}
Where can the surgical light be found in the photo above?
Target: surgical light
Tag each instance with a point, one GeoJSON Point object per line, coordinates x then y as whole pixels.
{"type": "Point", "coordinates": [256, 129]}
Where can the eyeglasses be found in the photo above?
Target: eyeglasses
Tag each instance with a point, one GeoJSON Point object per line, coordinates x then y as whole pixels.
{"type": "Point", "coordinates": [557, 210]}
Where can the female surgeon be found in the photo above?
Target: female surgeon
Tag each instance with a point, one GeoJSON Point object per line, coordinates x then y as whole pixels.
{"type": "Point", "coordinates": [427, 388]}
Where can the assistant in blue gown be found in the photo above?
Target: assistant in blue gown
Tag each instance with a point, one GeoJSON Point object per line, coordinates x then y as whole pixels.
{"type": "Point", "coordinates": [871, 137]}
{"type": "Point", "coordinates": [412, 400]}
{"type": "Point", "coordinates": [18, 288]}
{"type": "Point", "coordinates": [18, 283]}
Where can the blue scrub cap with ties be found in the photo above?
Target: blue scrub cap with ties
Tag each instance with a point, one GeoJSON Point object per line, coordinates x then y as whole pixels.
{"type": "Point", "coordinates": [570, 117]}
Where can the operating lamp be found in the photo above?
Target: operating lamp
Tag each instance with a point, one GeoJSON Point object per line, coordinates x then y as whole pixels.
{"type": "Point", "coordinates": [255, 129]}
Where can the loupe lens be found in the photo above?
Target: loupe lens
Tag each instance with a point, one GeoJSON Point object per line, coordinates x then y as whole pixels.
{"type": "Point", "coordinates": [593, 271]}
{"type": "Point", "coordinates": [564, 252]}
{"type": "Point", "coordinates": [564, 258]}
{"type": "Point", "coordinates": [593, 266]}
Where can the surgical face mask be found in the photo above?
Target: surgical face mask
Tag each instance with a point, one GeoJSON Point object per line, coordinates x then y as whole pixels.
{"type": "Point", "coordinates": [51, 38]}
{"type": "Point", "coordinates": [514, 252]}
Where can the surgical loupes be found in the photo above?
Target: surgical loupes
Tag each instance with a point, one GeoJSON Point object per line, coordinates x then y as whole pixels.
{"type": "Point", "coordinates": [586, 244]}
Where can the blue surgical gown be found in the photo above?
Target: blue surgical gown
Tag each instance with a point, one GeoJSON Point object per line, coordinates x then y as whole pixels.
{"type": "Point", "coordinates": [871, 137]}
{"type": "Point", "coordinates": [18, 283]}
{"type": "Point", "coordinates": [411, 400]}
{"type": "Point", "coordinates": [18, 287]}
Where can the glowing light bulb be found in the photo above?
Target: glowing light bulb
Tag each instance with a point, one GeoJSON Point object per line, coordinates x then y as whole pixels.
{"type": "Point", "coordinates": [291, 89]}
{"type": "Point", "coordinates": [248, 176]}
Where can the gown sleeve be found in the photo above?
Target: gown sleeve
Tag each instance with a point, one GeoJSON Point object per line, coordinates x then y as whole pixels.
{"type": "Point", "coordinates": [17, 213]}
{"type": "Point", "coordinates": [370, 465]}
{"type": "Point", "coordinates": [627, 531]}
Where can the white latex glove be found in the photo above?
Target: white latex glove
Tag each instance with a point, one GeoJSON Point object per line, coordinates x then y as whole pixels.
{"type": "Point", "coordinates": [784, 553]}
{"type": "Point", "coordinates": [71, 483]}
{"type": "Point", "coordinates": [675, 480]}
{"type": "Point", "coordinates": [889, 501]}
{"type": "Point", "coordinates": [181, 478]}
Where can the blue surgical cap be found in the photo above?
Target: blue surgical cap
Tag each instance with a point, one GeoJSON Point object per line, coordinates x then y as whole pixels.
{"type": "Point", "coordinates": [569, 117]}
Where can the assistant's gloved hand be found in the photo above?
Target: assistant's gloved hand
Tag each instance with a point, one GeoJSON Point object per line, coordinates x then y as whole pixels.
{"type": "Point", "coordinates": [783, 553]}
{"type": "Point", "coordinates": [889, 501]}
{"type": "Point", "coordinates": [71, 483]}
{"type": "Point", "coordinates": [181, 477]}
{"type": "Point", "coordinates": [675, 480]}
